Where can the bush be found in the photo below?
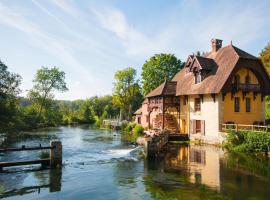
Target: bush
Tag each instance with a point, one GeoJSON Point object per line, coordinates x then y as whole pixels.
{"type": "Point", "coordinates": [44, 155]}
{"type": "Point", "coordinates": [124, 126]}
{"type": "Point", "coordinates": [248, 141]}
{"type": "Point", "coordinates": [130, 126]}
{"type": "Point", "coordinates": [138, 129]}
{"type": "Point", "coordinates": [132, 131]}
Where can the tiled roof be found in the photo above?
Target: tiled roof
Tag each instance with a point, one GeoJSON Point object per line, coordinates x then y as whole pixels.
{"type": "Point", "coordinates": [166, 88]}
{"type": "Point", "coordinates": [226, 60]}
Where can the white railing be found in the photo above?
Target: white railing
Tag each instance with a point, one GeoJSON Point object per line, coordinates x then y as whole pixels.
{"type": "Point", "coordinates": [245, 127]}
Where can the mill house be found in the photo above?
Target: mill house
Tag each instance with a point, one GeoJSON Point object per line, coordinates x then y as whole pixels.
{"type": "Point", "coordinates": [224, 86]}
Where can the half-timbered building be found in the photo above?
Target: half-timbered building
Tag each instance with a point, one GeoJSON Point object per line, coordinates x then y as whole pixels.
{"type": "Point", "coordinates": [226, 85]}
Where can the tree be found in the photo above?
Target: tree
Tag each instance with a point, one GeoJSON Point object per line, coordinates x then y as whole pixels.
{"type": "Point", "coordinates": [157, 69]}
{"type": "Point", "coordinates": [126, 88]}
{"type": "Point", "coordinates": [9, 89]}
{"type": "Point", "coordinates": [9, 82]}
{"type": "Point", "coordinates": [265, 57]}
{"type": "Point", "coordinates": [45, 83]}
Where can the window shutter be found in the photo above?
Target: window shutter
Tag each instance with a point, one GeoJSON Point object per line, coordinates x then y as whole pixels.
{"type": "Point", "coordinates": [191, 127]}
{"type": "Point", "coordinates": [194, 126]}
{"type": "Point", "coordinates": [203, 127]}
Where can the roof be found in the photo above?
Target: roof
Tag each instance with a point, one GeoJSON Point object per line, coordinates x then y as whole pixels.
{"type": "Point", "coordinates": [165, 89]}
{"type": "Point", "coordinates": [138, 112]}
{"type": "Point", "coordinates": [205, 63]}
{"type": "Point", "coordinates": [220, 65]}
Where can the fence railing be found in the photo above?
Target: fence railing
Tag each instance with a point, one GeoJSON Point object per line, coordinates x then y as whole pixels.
{"type": "Point", "coordinates": [245, 127]}
{"type": "Point", "coordinates": [54, 160]}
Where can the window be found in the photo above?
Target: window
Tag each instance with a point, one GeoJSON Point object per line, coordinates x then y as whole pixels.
{"type": "Point", "coordinates": [197, 104]}
{"type": "Point", "coordinates": [248, 105]}
{"type": "Point", "coordinates": [139, 120]}
{"type": "Point", "coordinates": [236, 104]}
{"type": "Point", "coordinates": [198, 126]}
{"type": "Point", "coordinates": [247, 79]}
{"type": "Point", "coordinates": [198, 78]}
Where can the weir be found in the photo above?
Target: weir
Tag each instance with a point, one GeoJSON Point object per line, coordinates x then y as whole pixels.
{"type": "Point", "coordinates": [54, 160]}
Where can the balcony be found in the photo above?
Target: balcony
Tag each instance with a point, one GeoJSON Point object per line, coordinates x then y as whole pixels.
{"type": "Point", "coordinates": [247, 87]}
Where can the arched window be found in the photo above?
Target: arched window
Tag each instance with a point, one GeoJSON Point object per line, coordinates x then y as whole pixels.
{"type": "Point", "coordinates": [247, 79]}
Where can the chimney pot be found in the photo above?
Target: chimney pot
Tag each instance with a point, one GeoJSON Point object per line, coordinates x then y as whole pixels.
{"type": "Point", "coordinates": [216, 44]}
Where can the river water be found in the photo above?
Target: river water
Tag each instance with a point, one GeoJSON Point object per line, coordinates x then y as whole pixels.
{"type": "Point", "coordinates": [98, 164]}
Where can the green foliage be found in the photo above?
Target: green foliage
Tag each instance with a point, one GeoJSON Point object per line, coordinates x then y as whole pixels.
{"type": "Point", "coordinates": [130, 126]}
{"type": "Point", "coordinates": [248, 141]}
{"type": "Point", "coordinates": [157, 69]}
{"type": "Point", "coordinates": [44, 155]}
{"type": "Point", "coordinates": [126, 95]}
{"type": "Point", "coordinates": [40, 109]}
{"type": "Point", "coordinates": [131, 131]}
{"type": "Point", "coordinates": [138, 129]}
{"type": "Point", "coordinates": [124, 126]}
{"type": "Point", "coordinates": [45, 83]}
{"type": "Point", "coordinates": [265, 57]}
{"type": "Point", "coordinates": [9, 88]}
{"type": "Point", "coordinates": [267, 107]}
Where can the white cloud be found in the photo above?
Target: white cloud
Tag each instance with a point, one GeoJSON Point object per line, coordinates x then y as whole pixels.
{"type": "Point", "coordinates": [66, 6]}
{"type": "Point", "coordinates": [135, 42]}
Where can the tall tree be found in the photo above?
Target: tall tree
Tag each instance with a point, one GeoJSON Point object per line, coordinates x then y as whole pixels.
{"type": "Point", "coordinates": [126, 89]}
{"type": "Point", "coordinates": [157, 69]}
{"type": "Point", "coordinates": [46, 82]}
{"type": "Point", "coordinates": [265, 57]}
{"type": "Point", "coordinates": [9, 89]}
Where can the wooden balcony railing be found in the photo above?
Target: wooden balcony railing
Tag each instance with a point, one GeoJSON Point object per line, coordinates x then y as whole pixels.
{"type": "Point", "coordinates": [245, 127]}
{"type": "Point", "coordinates": [248, 87]}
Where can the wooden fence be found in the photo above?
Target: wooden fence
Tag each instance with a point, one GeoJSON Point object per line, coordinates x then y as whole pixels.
{"type": "Point", "coordinates": [244, 127]}
{"type": "Point", "coordinates": [54, 160]}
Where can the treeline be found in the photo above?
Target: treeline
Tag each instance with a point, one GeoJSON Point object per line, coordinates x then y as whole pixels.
{"type": "Point", "coordinates": [90, 111]}
{"type": "Point", "coordinates": [40, 109]}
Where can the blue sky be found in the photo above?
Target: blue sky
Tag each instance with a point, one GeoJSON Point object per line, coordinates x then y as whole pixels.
{"type": "Point", "coordinates": [91, 40]}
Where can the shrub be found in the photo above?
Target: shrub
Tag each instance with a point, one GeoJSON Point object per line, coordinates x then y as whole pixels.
{"type": "Point", "coordinates": [123, 126]}
{"type": "Point", "coordinates": [248, 141]}
{"type": "Point", "coordinates": [138, 129]}
{"type": "Point", "coordinates": [44, 155]}
{"type": "Point", "coordinates": [130, 126]}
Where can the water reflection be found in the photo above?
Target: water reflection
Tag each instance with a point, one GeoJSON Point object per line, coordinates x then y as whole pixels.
{"type": "Point", "coordinates": [198, 171]}
{"type": "Point", "coordinates": [45, 179]}
{"type": "Point", "coordinates": [98, 164]}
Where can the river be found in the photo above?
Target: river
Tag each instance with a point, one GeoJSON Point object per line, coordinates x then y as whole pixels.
{"type": "Point", "coordinates": [98, 164]}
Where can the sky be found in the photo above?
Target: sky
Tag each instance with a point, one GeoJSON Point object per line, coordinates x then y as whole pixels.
{"type": "Point", "coordinates": [91, 40]}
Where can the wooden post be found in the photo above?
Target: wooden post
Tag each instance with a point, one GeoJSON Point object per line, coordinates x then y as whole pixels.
{"type": "Point", "coordinates": [56, 153]}
{"type": "Point", "coordinates": [163, 113]}
{"type": "Point", "coordinates": [236, 127]}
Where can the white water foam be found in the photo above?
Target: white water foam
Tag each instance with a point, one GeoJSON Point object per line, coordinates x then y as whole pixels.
{"type": "Point", "coordinates": [122, 152]}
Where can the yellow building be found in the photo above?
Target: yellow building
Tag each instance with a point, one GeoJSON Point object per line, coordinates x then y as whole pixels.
{"type": "Point", "coordinates": [225, 86]}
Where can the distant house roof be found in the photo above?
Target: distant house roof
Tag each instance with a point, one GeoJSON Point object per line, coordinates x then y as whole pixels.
{"type": "Point", "coordinates": [221, 65]}
{"type": "Point", "coordinates": [165, 89]}
{"type": "Point", "coordinates": [138, 112]}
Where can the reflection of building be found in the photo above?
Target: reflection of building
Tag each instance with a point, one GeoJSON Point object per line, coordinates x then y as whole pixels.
{"type": "Point", "coordinates": [201, 162]}
{"type": "Point", "coordinates": [226, 85]}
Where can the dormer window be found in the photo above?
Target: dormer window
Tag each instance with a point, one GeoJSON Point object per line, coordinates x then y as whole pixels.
{"type": "Point", "coordinates": [198, 77]}
{"type": "Point", "coordinates": [247, 79]}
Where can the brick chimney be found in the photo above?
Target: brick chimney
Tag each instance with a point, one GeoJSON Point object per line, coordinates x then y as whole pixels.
{"type": "Point", "coordinates": [216, 44]}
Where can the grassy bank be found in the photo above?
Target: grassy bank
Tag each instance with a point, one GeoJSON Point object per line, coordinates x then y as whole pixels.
{"type": "Point", "coordinates": [248, 141]}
